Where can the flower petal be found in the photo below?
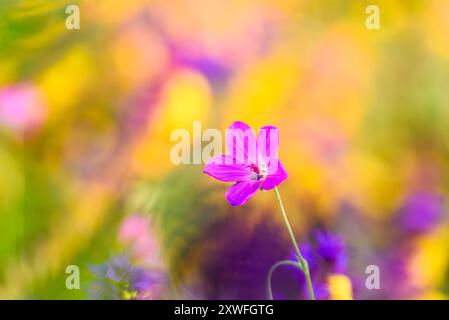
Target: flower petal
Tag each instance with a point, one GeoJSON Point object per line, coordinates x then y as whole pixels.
{"type": "Point", "coordinates": [276, 175]}
{"type": "Point", "coordinates": [223, 168]}
{"type": "Point", "coordinates": [240, 192]}
{"type": "Point", "coordinates": [241, 143]}
{"type": "Point", "coordinates": [268, 143]}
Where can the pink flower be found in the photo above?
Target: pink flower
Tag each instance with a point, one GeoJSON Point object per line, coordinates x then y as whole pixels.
{"type": "Point", "coordinates": [251, 163]}
{"type": "Point", "coordinates": [136, 232]}
{"type": "Point", "coordinates": [22, 108]}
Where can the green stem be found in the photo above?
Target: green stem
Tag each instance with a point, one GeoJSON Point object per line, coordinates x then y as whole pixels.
{"type": "Point", "coordinates": [303, 262]}
{"type": "Point", "coordinates": [273, 269]}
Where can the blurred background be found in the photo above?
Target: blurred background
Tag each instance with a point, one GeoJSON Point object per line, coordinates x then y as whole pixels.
{"type": "Point", "coordinates": [86, 176]}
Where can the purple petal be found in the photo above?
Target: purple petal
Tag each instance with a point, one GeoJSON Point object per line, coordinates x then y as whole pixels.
{"type": "Point", "coordinates": [240, 192]}
{"type": "Point", "coordinates": [241, 143]}
{"type": "Point", "coordinates": [268, 143]}
{"type": "Point", "coordinates": [222, 168]}
{"type": "Point", "coordinates": [276, 175]}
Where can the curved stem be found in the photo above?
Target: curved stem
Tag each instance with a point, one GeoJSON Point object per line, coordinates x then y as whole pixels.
{"type": "Point", "coordinates": [273, 268]}
{"type": "Point", "coordinates": [303, 262]}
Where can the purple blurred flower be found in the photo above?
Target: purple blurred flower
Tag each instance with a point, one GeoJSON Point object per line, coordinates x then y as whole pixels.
{"type": "Point", "coordinates": [421, 212]}
{"type": "Point", "coordinates": [251, 163]}
{"type": "Point", "coordinates": [326, 250]}
{"type": "Point", "coordinates": [119, 279]}
{"type": "Point", "coordinates": [215, 71]}
{"type": "Point", "coordinates": [326, 254]}
{"type": "Point", "coordinates": [331, 249]}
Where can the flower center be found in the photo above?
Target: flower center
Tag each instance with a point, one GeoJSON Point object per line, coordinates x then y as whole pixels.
{"type": "Point", "coordinates": [260, 171]}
